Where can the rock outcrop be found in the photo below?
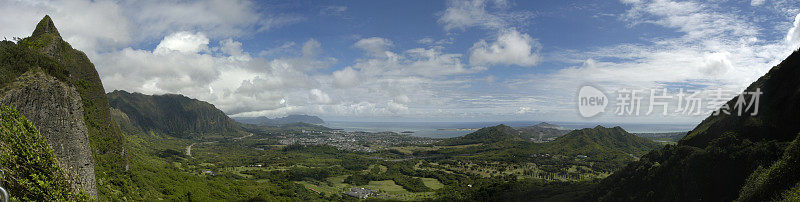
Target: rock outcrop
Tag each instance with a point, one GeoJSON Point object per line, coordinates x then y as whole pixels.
{"type": "Point", "coordinates": [55, 109]}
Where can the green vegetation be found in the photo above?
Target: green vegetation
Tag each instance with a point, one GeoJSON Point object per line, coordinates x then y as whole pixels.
{"type": "Point", "coordinates": [768, 183]}
{"type": "Point", "coordinates": [45, 49]}
{"type": "Point", "coordinates": [176, 115]}
{"type": "Point", "coordinates": [28, 163]}
{"type": "Point", "coordinates": [725, 157]}
{"type": "Point", "coordinates": [15, 60]}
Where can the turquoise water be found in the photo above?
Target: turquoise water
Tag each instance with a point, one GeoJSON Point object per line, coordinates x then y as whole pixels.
{"type": "Point", "coordinates": [431, 129]}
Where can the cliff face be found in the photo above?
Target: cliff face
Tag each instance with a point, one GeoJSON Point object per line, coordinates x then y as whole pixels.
{"type": "Point", "coordinates": [105, 137]}
{"type": "Point", "coordinates": [31, 171]}
{"type": "Point", "coordinates": [176, 115]}
{"type": "Point", "coordinates": [59, 89]}
{"type": "Point", "coordinates": [55, 109]}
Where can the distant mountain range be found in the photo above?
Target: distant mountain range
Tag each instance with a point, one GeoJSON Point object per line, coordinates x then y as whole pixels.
{"type": "Point", "coordinates": [606, 148]}
{"type": "Point", "coordinates": [542, 131]}
{"type": "Point", "coordinates": [291, 119]}
{"type": "Point", "coordinates": [585, 140]}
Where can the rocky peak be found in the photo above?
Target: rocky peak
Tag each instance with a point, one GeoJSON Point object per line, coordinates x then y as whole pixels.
{"type": "Point", "coordinates": [45, 26]}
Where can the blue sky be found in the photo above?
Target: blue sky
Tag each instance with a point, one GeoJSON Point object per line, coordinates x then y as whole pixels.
{"type": "Point", "coordinates": [476, 60]}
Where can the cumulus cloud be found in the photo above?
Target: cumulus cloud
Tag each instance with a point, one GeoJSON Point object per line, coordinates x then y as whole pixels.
{"type": "Point", "coordinates": [176, 64]}
{"type": "Point", "coordinates": [96, 26]}
{"type": "Point", "coordinates": [716, 64]}
{"type": "Point", "coordinates": [317, 96]}
{"type": "Point", "coordinates": [99, 25]}
{"type": "Point", "coordinates": [510, 48]}
{"type": "Point", "coordinates": [345, 78]}
{"type": "Point", "coordinates": [183, 42]}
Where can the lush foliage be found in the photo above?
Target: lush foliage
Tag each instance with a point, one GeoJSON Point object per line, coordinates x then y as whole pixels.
{"type": "Point", "coordinates": [768, 183]}
{"type": "Point", "coordinates": [28, 163]}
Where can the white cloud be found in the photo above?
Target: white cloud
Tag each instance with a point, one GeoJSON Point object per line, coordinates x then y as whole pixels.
{"type": "Point", "coordinates": [397, 107]}
{"type": "Point", "coordinates": [793, 37]}
{"type": "Point", "coordinates": [87, 25]}
{"type": "Point", "coordinates": [317, 96]}
{"type": "Point", "coordinates": [375, 46]}
{"type": "Point", "coordinates": [716, 64]}
{"type": "Point", "coordinates": [218, 18]}
{"type": "Point", "coordinates": [183, 42]}
{"type": "Point", "coordinates": [346, 78]}
{"type": "Point", "coordinates": [480, 13]}
{"type": "Point", "coordinates": [510, 48]}
{"type": "Point", "coordinates": [757, 2]}
{"type": "Point", "coordinates": [96, 26]}
{"type": "Point", "coordinates": [231, 47]}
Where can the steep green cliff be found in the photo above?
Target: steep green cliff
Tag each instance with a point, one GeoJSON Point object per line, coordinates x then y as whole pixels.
{"type": "Point", "coordinates": [176, 115]}
{"type": "Point", "coordinates": [46, 52]}
{"type": "Point", "coordinates": [29, 167]}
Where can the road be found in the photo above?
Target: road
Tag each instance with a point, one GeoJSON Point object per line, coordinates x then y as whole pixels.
{"type": "Point", "coordinates": [189, 149]}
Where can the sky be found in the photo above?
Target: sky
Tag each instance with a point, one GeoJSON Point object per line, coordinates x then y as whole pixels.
{"type": "Point", "coordinates": [475, 60]}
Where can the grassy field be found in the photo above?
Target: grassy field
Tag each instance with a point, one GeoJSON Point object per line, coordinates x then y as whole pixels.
{"type": "Point", "coordinates": [386, 188]}
{"type": "Point", "coordinates": [432, 183]}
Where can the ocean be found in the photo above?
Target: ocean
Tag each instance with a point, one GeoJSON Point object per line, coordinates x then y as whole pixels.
{"type": "Point", "coordinates": [432, 129]}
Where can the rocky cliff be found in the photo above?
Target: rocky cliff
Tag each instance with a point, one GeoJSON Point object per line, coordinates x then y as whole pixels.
{"type": "Point", "coordinates": [55, 109]}
{"type": "Point", "coordinates": [105, 136]}
{"type": "Point", "coordinates": [45, 79]}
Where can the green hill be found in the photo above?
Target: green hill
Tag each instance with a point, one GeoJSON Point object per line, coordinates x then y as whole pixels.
{"type": "Point", "coordinates": [610, 140]}
{"type": "Point", "coordinates": [176, 115]}
{"type": "Point", "coordinates": [488, 135]}
{"type": "Point", "coordinates": [714, 160]}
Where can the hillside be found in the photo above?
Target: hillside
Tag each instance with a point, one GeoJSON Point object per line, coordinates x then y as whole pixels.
{"type": "Point", "coordinates": [291, 119]}
{"type": "Point", "coordinates": [176, 115]}
{"type": "Point", "coordinates": [715, 159]}
{"type": "Point", "coordinates": [590, 140]}
{"type": "Point", "coordinates": [488, 135]}
{"type": "Point", "coordinates": [31, 171]}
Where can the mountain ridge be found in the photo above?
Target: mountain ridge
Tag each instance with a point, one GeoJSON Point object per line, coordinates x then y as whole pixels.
{"type": "Point", "coordinates": [174, 114]}
{"type": "Point", "coordinates": [722, 154]}
{"type": "Point", "coordinates": [290, 119]}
